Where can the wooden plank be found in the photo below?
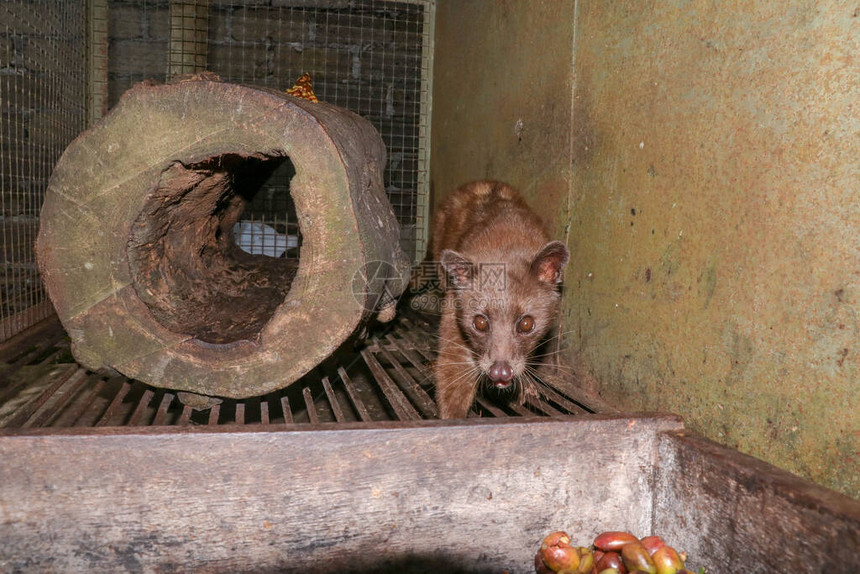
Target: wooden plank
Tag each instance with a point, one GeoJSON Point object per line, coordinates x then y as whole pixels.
{"type": "Point", "coordinates": [48, 331]}
{"type": "Point", "coordinates": [473, 496]}
{"type": "Point", "coordinates": [23, 414]}
{"type": "Point", "coordinates": [734, 513]}
{"type": "Point", "coordinates": [53, 357]}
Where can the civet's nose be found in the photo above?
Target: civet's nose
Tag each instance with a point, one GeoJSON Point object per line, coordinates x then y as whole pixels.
{"type": "Point", "coordinates": [501, 374]}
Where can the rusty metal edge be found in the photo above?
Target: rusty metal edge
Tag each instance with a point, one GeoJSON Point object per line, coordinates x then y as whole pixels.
{"type": "Point", "coordinates": [659, 421]}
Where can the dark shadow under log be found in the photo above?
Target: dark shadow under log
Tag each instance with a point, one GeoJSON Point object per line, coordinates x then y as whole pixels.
{"type": "Point", "coordinates": [137, 251]}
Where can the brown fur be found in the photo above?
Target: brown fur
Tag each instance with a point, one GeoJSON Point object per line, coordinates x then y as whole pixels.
{"type": "Point", "coordinates": [501, 265]}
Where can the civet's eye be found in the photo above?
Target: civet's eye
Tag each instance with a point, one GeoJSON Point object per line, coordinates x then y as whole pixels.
{"type": "Point", "coordinates": [526, 324]}
{"type": "Point", "coordinates": [481, 323]}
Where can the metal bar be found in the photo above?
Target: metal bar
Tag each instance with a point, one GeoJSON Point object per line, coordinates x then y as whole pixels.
{"type": "Point", "coordinates": [418, 395]}
{"type": "Point", "coordinates": [22, 418]}
{"type": "Point", "coordinates": [521, 410]}
{"type": "Point", "coordinates": [18, 323]}
{"type": "Point", "coordinates": [13, 389]}
{"type": "Point", "coordinates": [52, 357]}
{"type": "Point", "coordinates": [86, 403]}
{"type": "Point", "coordinates": [411, 356]}
{"type": "Point", "coordinates": [14, 367]}
{"type": "Point", "coordinates": [240, 413]}
{"type": "Point", "coordinates": [497, 412]}
{"type": "Point", "coordinates": [401, 406]}
{"type": "Point", "coordinates": [376, 345]}
{"type": "Point", "coordinates": [27, 358]}
{"type": "Point", "coordinates": [189, 31]}
{"type": "Point", "coordinates": [214, 411]}
{"type": "Point", "coordinates": [422, 217]}
{"type": "Point", "coordinates": [569, 406]}
{"type": "Point", "coordinates": [332, 399]}
{"type": "Point", "coordinates": [543, 407]}
{"type": "Point", "coordinates": [363, 414]}
{"type": "Point", "coordinates": [587, 402]}
{"type": "Point", "coordinates": [309, 405]}
{"type": "Point", "coordinates": [24, 335]}
{"type": "Point", "coordinates": [185, 417]}
{"type": "Point", "coordinates": [288, 413]}
{"type": "Point", "coordinates": [137, 416]}
{"type": "Point", "coordinates": [51, 414]}
{"type": "Point", "coordinates": [97, 52]}
{"type": "Point", "coordinates": [161, 414]}
{"type": "Point", "coordinates": [264, 411]}
{"type": "Point", "coordinates": [409, 333]}
{"type": "Point", "coordinates": [114, 405]}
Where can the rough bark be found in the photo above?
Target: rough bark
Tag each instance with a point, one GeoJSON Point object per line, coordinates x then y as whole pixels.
{"type": "Point", "coordinates": [137, 252]}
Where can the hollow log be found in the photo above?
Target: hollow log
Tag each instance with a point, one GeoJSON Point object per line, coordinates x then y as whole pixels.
{"type": "Point", "coordinates": [138, 256]}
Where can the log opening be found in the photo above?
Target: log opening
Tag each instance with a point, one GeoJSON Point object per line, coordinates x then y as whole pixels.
{"type": "Point", "coordinates": [186, 265]}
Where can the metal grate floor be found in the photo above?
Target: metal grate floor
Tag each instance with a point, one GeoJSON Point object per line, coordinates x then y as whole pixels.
{"type": "Point", "coordinates": [387, 378]}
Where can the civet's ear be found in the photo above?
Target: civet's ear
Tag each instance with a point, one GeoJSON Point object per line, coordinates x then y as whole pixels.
{"type": "Point", "coordinates": [548, 264]}
{"type": "Point", "coordinates": [460, 271]}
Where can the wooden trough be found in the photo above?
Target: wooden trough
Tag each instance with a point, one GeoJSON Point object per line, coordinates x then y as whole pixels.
{"type": "Point", "coordinates": [425, 496]}
{"type": "Point", "coordinates": [137, 252]}
{"type": "Point", "coordinates": [352, 472]}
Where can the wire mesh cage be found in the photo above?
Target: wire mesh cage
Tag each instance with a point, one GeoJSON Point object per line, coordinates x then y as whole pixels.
{"type": "Point", "coordinates": [368, 56]}
{"type": "Point", "coordinates": [42, 107]}
{"type": "Point", "coordinates": [64, 64]}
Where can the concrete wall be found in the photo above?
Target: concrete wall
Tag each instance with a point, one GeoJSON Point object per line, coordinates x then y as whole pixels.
{"type": "Point", "coordinates": [703, 160]}
{"type": "Point", "coordinates": [501, 100]}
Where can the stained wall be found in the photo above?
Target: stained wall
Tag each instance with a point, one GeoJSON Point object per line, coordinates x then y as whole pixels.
{"type": "Point", "coordinates": [501, 100]}
{"type": "Point", "coordinates": [703, 164]}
